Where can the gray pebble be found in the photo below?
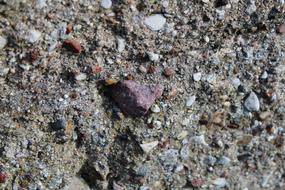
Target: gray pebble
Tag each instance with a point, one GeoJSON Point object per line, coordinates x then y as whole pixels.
{"type": "Point", "coordinates": [224, 161]}
{"type": "Point", "coordinates": [155, 22]}
{"type": "Point", "coordinates": [3, 42]}
{"type": "Point", "coordinates": [59, 124]}
{"type": "Point", "coordinates": [190, 101]}
{"type": "Point", "coordinates": [106, 4]}
{"type": "Point", "coordinates": [252, 103]}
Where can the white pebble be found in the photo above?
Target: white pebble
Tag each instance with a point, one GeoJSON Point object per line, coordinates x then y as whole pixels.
{"type": "Point", "coordinates": [197, 76]}
{"type": "Point", "coordinates": [121, 44]}
{"type": "Point", "coordinates": [34, 36]}
{"type": "Point", "coordinates": [264, 75]}
{"type": "Point", "coordinates": [155, 22]}
{"type": "Point", "coordinates": [80, 77]}
{"type": "Point", "coordinates": [236, 82]}
{"type": "Point", "coordinates": [41, 4]}
{"type": "Point", "coordinates": [155, 109]}
{"type": "Point", "coordinates": [220, 182]}
{"type": "Point", "coordinates": [190, 101]}
{"type": "Point", "coordinates": [147, 147]}
{"type": "Point", "coordinates": [153, 56]}
{"type": "Point", "coordinates": [3, 42]}
{"type": "Point", "coordinates": [106, 4]}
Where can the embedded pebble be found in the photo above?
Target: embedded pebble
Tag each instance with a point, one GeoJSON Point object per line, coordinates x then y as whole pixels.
{"type": "Point", "coordinates": [197, 76]}
{"type": "Point", "coordinates": [220, 182]}
{"type": "Point", "coordinates": [41, 4]}
{"type": "Point", "coordinates": [72, 45]}
{"type": "Point", "coordinates": [76, 183]}
{"type": "Point", "coordinates": [80, 77]}
{"type": "Point", "coordinates": [147, 147]}
{"type": "Point", "coordinates": [155, 22]}
{"type": "Point", "coordinates": [252, 103]}
{"type": "Point", "coordinates": [153, 56]}
{"type": "Point", "coordinates": [121, 44]}
{"type": "Point", "coordinates": [3, 42]}
{"type": "Point", "coordinates": [133, 98]}
{"type": "Point", "coordinates": [264, 75]}
{"type": "Point", "coordinates": [190, 101]}
{"type": "Point", "coordinates": [106, 4]}
{"type": "Point", "coordinates": [34, 36]}
{"type": "Point", "coordinates": [155, 108]}
{"type": "Point", "coordinates": [224, 161]}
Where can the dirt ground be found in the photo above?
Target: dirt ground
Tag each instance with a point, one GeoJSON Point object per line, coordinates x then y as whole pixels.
{"type": "Point", "coordinates": [219, 123]}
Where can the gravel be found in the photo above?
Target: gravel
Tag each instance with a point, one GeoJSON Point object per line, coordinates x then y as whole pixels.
{"type": "Point", "coordinates": [155, 22]}
{"type": "Point", "coordinates": [3, 42]}
{"type": "Point", "coordinates": [142, 94]}
{"type": "Point", "coordinates": [252, 103]}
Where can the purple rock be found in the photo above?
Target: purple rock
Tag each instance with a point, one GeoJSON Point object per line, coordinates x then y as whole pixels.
{"type": "Point", "coordinates": [133, 98]}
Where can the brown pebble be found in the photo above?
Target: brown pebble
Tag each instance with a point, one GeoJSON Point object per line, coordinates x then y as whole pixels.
{"type": "Point", "coordinates": [151, 69]}
{"type": "Point", "coordinates": [73, 45]}
{"type": "Point", "coordinates": [280, 29]}
{"type": "Point", "coordinates": [34, 54]}
{"type": "Point", "coordinates": [172, 93]}
{"type": "Point", "coordinates": [279, 141]}
{"type": "Point", "coordinates": [270, 129]}
{"type": "Point", "coordinates": [69, 28]}
{"type": "Point", "coordinates": [168, 72]}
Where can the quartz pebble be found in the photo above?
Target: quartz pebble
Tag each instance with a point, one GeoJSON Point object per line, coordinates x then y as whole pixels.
{"type": "Point", "coordinates": [153, 56]}
{"type": "Point", "coordinates": [34, 36]}
{"type": "Point", "coordinates": [190, 101]}
{"type": "Point", "coordinates": [3, 42]}
{"type": "Point", "coordinates": [220, 182]}
{"type": "Point", "coordinates": [76, 183]}
{"type": "Point", "coordinates": [155, 22]}
{"type": "Point", "coordinates": [197, 76]}
{"type": "Point", "coordinates": [155, 108]}
{"type": "Point", "coordinates": [80, 76]}
{"type": "Point", "coordinates": [106, 4]}
{"type": "Point", "coordinates": [252, 103]}
{"type": "Point", "coordinates": [41, 4]}
{"type": "Point", "coordinates": [121, 44]}
{"type": "Point", "coordinates": [147, 147]}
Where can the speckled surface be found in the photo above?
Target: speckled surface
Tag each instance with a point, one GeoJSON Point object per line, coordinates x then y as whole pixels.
{"type": "Point", "coordinates": [60, 128]}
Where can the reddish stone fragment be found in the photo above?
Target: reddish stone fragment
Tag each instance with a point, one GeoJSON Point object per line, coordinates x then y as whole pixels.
{"type": "Point", "coordinates": [73, 45]}
{"type": "Point", "coordinates": [3, 177]}
{"type": "Point", "coordinates": [280, 29]}
{"type": "Point", "coordinates": [151, 69]}
{"type": "Point", "coordinates": [197, 182]}
{"type": "Point", "coordinates": [168, 72]}
{"type": "Point", "coordinates": [133, 98]}
{"type": "Point", "coordinates": [96, 69]}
